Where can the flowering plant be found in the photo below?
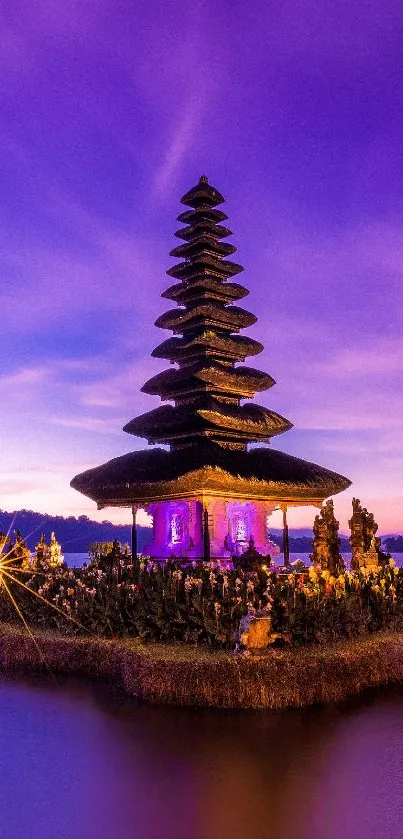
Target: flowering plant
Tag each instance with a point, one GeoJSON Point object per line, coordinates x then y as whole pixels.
{"type": "Point", "coordinates": [204, 603]}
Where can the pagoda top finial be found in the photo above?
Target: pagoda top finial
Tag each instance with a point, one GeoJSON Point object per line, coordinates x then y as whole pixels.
{"type": "Point", "coordinates": [202, 195]}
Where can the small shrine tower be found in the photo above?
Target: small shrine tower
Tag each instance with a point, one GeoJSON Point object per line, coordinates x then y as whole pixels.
{"type": "Point", "coordinates": [208, 494]}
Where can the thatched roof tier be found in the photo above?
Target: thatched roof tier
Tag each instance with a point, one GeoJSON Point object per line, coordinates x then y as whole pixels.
{"type": "Point", "coordinates": [202, 214]}
{"type": "Point", "coordinates": [201, 246]}
{"type": "Point", "coordinates": [206, 353]}
{"type": "Point", "coordinates": [171, 424]}
{"type": "Point", "coordinates": [241, 382]}
{"type": "Point", "coordinates": [204, 265]}
{"type": "Point", "coordinates": [204, 227]}
{"type": "Point", "coordinates": [207, 315]}
{"type": "Point", "coordinates": [205, 288]}
{"type": "Point", "coordinates": [156, 474]}
{"type": "Point", "coordinates": [208, 344]}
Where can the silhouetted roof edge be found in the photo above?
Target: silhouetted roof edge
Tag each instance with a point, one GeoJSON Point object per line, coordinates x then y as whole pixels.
{"type": "Point", "coordinates": [156, 474]}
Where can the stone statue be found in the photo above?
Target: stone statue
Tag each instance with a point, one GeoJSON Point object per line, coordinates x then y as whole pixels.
{"type": "Point", "coordinates": [251, 559]}
{"type": "Point", "coordinates": [41, 552]}
{"type": "Point", "coordinates": [255, 632]}
{"type": "Point", "coordinates": [55, 557]}
{"type": "Point", "coordinates": [365, 545]}
{"type": "Point", "coordinates": [21, 555]}
{"type": "Point", "coordinates": [116, 551]}
{"type": "Point", "coordinates": [326, 554]}
{"type": "Point", "coordinates": [4, 544]}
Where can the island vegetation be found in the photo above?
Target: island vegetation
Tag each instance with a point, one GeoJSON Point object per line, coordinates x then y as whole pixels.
{"type": "Point", "coordinates": [173, 630]}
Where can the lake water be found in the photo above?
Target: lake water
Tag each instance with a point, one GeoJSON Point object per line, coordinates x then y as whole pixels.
{"type": "Point", "coordinates": [78, 762]}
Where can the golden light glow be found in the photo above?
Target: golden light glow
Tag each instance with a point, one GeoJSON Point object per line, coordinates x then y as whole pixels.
{"type": "Point", "coordinates": [10, 573]}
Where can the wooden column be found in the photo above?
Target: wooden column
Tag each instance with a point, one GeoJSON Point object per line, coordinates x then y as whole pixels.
{"type": "Point", "coordinates": [286, 542]}
{"type": "Point", "coordinates": [206, 536]}
{"type": "Point", "coordinates": [134, 535]}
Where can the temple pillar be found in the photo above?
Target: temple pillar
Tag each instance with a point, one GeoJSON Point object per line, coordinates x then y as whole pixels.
{"type": "Point", "coordinates": [206, 532]}
{"type": "Point", "coordinates": [218, 525]}
{"type": "Point", "coordinates": [161, 528]}
{"type": "Point", "coordinates": [135, 507]}
{"type": "Point", "coordinates": [256, 515]}
{"type": "Point", "coordinates": [258, 525]}
{"type": "Point", "coordinates": [196, 528]}
{"type": "Point", "coordinates": [268, 547]}
{"type": "Point", "coordinates": [286, 542]}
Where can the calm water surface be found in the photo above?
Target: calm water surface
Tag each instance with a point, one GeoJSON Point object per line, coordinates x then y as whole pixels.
{"type": "Point", "coordinates": [78, 762]}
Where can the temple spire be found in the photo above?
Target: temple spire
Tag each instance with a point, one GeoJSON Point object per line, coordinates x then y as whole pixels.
{"type": "Point", "coordinates": [205, 385]}
{"type": "Point", "coordinates": [208, 494]}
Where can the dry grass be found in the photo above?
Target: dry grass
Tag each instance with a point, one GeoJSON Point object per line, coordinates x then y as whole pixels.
{"type": "Point", "coordinates": [184, 675]}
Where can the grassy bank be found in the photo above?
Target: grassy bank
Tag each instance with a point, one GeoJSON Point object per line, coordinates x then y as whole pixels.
{"type": "Point", "coordinates": [184, 675]}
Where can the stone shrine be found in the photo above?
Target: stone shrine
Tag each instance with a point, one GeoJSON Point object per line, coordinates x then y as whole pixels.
{"type": "Point", "coordinates": [326, 554]}
{"type": "Point", "coordinates": [48, 556]}
{"type": "Point", "coordinates": [365, 545]}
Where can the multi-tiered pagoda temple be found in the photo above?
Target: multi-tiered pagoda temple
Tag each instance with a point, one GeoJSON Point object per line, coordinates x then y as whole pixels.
{"type": "Point", "coordinates": [208, 494]}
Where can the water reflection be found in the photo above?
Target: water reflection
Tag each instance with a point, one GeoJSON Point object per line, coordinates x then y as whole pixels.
{"type": "Point", "coordinates": [78, 762]}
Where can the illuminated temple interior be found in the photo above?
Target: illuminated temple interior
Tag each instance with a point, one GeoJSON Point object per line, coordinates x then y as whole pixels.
{"type": "Point", "coordinates": [208, 491]}
{"type": "Point", "coordinates": [178, 528]}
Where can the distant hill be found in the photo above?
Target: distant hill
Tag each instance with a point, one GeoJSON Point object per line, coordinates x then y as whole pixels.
{"type": "Point", "coordinates": [74, 534]}
{"type": "Point", "coordinates": [302, 543]}
{"type": "Point", "coordinates": [394, 544]}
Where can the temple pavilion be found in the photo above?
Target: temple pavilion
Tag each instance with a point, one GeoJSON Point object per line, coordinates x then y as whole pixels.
{"type": "Point", "coordinates": [208, 493]}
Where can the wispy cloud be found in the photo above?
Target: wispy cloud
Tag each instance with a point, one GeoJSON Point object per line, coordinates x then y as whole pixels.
{"type": "Point", "coordinates": [24, 378]}
{"type": "Point", "coordinates": [95, 425]}
{"type": "Point", "coordinates": [121, 389]}
{"type": "Point", "coordinates": [362, 262]}
{"type": "Point", "coordinates": [184, 131]}
{"type": "Point", "coordinates": [57, 278]}
{"type": "Point", "coordinates": [11, 485]}
{"type": "Point", "coordinates": [383, 357]}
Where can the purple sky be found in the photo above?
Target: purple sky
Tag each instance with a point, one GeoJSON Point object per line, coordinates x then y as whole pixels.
{"type": "Point", "coordinates": [109, 113]}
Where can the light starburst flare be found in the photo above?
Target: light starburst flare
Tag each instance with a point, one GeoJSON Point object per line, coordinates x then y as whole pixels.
{"type": "Point", "coordinates": [11, 573]}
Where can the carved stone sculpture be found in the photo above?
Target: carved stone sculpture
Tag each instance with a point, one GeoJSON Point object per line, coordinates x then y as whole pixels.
{"type": "Point", "coordinates": [326, 554]}
{"type": "Point", "coordinates": [365, 546]}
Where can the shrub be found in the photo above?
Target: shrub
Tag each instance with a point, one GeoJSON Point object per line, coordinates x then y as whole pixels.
{"type": "Point", "coordinates": [203, 603]}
